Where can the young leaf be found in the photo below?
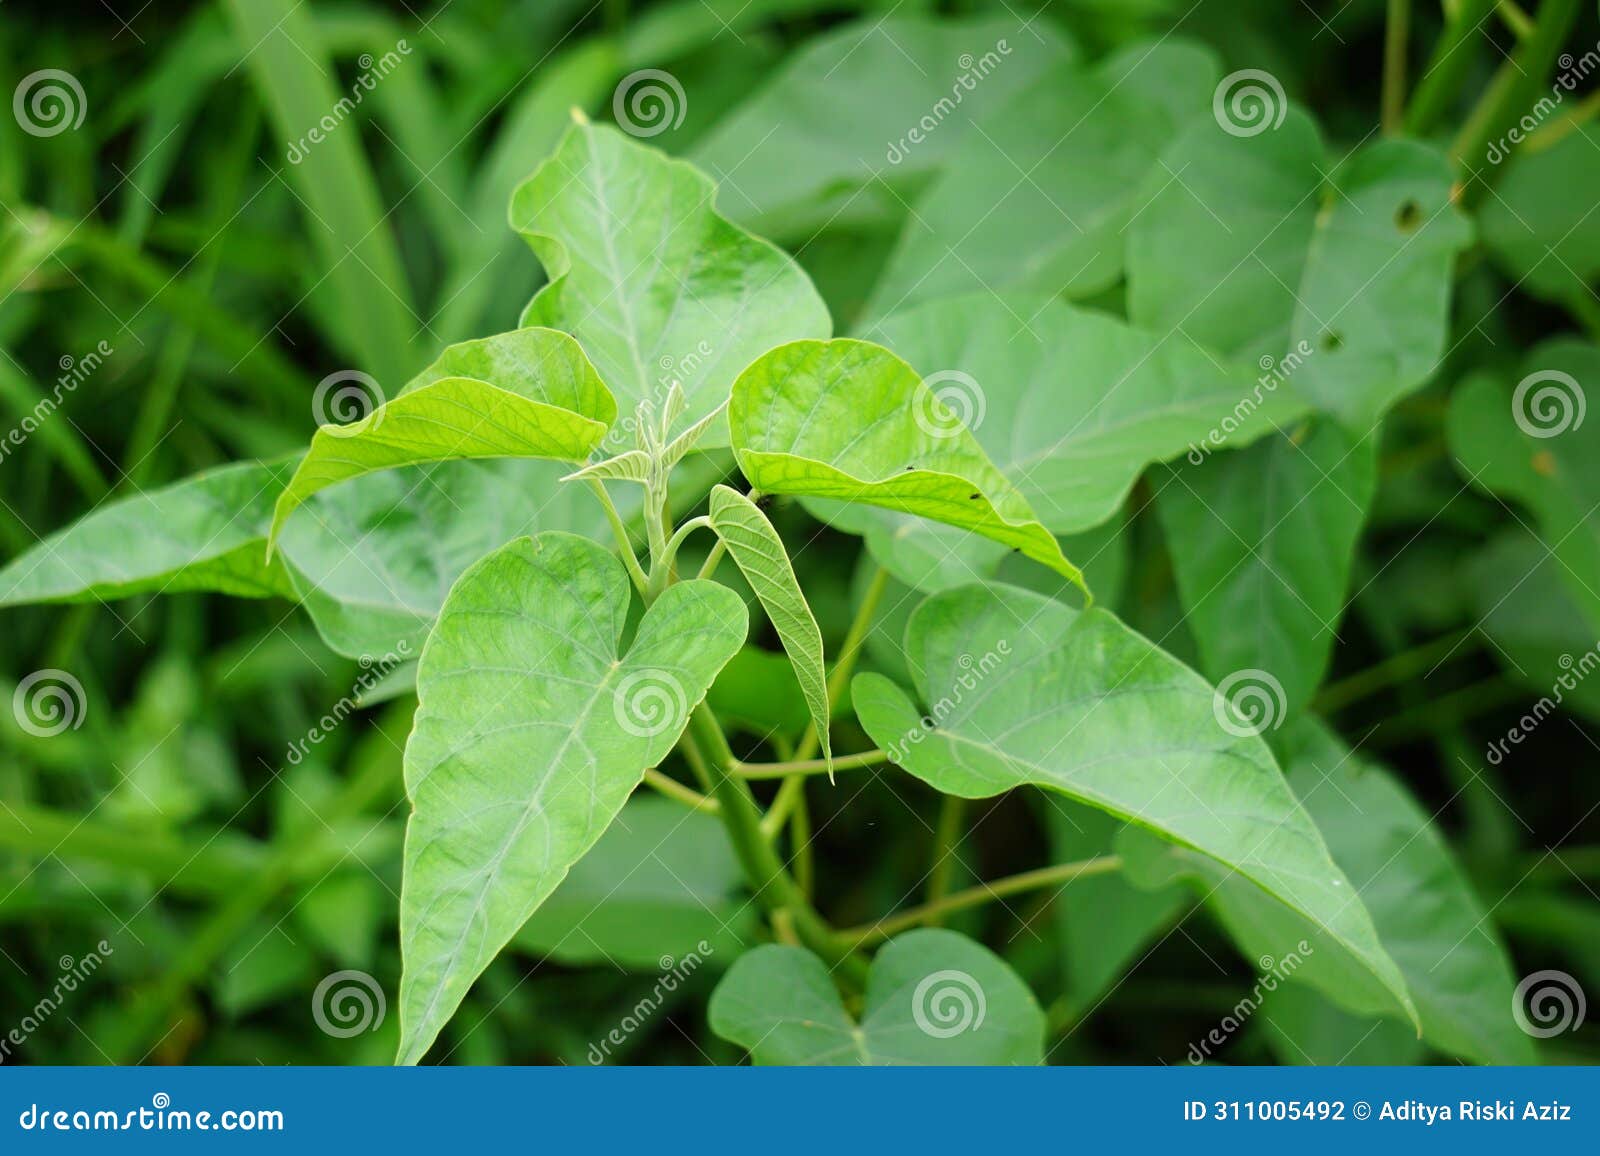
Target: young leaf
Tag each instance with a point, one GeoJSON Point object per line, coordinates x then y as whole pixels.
{"type": "Point", "coordinates": [550, 405]}
{"type": "Point", "coordinates": [759, 553]}
{"type": "Point", "coordinates": [1039, 197]}
{"type": "Point", "coordinates": [531, 731]}
{"type": "Point", "coordinates": [1430, 922]}
{"type": "Point", "coordinates": [1073, 405]}
{"type": "Point", "coordinates": [933, 997]}
{"type": "Point", "coordinates": [656, 286]}
{"type": "Point", "coordinates": [849, 420]}
{"type": "Point", "coordinates": [1024, 690]}
{"type": "Point", "coordinates": [203, 533]}
{"type": "Point", "coordinates": [1249, 254]}
{"type": "Point", "coordinates": [1262, 540]}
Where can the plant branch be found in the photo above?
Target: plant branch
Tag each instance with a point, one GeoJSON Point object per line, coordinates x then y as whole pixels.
{"type": "Point", "coordinates": [673, 789]}
{"type": "Point", "coordinates": [952, 809]}
{"type": "Point", "coordinates": [1397, 40]}
{"type": "Point", "coordinates": [1395, 669]}
{"type": "Point", "coordinates": [620, 532]}
{"type": "Point", "coordinates": [870, 758]}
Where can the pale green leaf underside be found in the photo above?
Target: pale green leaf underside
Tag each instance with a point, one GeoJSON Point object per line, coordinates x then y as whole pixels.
{"type": "Point", "coordinates": [531, 732]}
{"type": "Point", "coordinates": [1024, 690]}
{"type": "Point", "coordinates": [1430, 921]}
{"type": "Point", "coordinates": [1072, 405]}
{"type": "Point", "coordinates": [203, 533]}
{"type": "Point", "coordinates": [761, 557]}
{"type": "Point", "coordinates": [933, 998]}
{"type": "Point", "coordinates": [655, 285]}
{"type": "Point", "coordinates": [850, 421]}
{"type": "Point", "coordinates": [546, 402]}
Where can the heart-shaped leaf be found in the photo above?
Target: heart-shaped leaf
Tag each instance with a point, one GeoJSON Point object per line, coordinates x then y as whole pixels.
{"type": "Point", "coordinates": [545, 401]}
{"type": "Point", "coordinates": [203, 533]}
{"type": "Point", "coordinates": [1022, 690]}
{"type": "Point", "coordinates": [531, 731]}
{"type": "Point", "coordinates": [850, 421]}
{"type": "Point", "coordinates": [933, 997]}
{"type": "Point", "coordinates": [657, 287]}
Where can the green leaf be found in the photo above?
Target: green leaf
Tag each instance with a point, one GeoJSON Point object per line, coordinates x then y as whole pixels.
{"type": "Point", "coordinates": [759, 691]}
{"type": "Point", "coordinates": [1305, 1028]}
{"type": "Point", "coordinates": [1072, 405]}
{"type": "Point", "coordinates": [1430, 921]}
{"type": "Point", "coordinates": [531, 731]}
{"type": "Point", "coordinates": [1023, 690]}
{"type": "Point", "coordinates": [1540, 223]}
{"type": "Point", "coordinates": [1040, 196]}
{"type": "Point", "coordinates": [827, 142]}
{"type": "Point", "coordinates": [656, 286]}
{"type": "Point", "coordinates": [1529, 443]}
{"type": "Point", "coordinates": [203, 533]}
{"type": "Point", "coordinates": [1340, 274]}
{"type": "Point", "coordinates": [761, 557]}
{"type": "Point", "coordinates": [661, 882]}
{"type": "Point", "coordinates": [1262, 540]}
{"type": "Point", "coordinates": [849, 420]}
{"type": "Point", "coordinates": [543, 401]}
{"type": "Point", "coordinates": [933, 998]}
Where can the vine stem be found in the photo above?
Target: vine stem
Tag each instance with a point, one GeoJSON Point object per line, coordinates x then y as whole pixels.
{"type": "Point", "coordinates": [661, 568]}
{"type": "Point", "coordinates": [952, 809]}
{"type": "Point", "coordinates": [624, 544]}
{"type": "Point", "coordinates": [1394, 669]}
{"type": "Point", "coordinates": [1397, 39]}
{"type": "Point", "coordinates": [804, 767]}
{"type": "Point", "coordinates": [1447, 65]}
{"type": "Point", "coordinates": [976, 896]}
{"type": "Point", "coordinates": [673, 789]}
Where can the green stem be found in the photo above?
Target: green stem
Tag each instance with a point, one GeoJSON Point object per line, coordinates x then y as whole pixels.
{"type": "Point", "coordinates": [947, 832]}
{"type": "Point", "coordinates": [1392, 670]}
{"type": "Point", "coordinates": [661, 568]}
{"type": "Point", "coordinates": [624, 544]}
{"type": "Point", "coordinates": [845, 666]}
{"type": "Point", "coordinates": [1397, 37]}
{"type": "Point", "coordinates": [804, 767]}
{"type": "Point", "coordinates": [1448, 64]}
{"type": "Point", "coordinates": [710, 567]}
{"type": "Point", "coordinates": [976, 896]}
{"type": "Point", "coordinates": [673, 789]}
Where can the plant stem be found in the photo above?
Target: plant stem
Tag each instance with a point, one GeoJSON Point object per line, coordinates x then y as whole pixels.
{"type": "Point", "coordinates": [952, 809]}
{"type": "Point", "coordinates": [620, 531]}
{"type": "Point", "coordinates": [1440, 81]}
{"type": "Point", "coordinates": [661, 568]}
{"type": "Point", "coordinates": [1394, 669]}
{"type": "Point", "coordinates": [710, 567]}
{"type": "Point", "coordinates": [805, 875]}
{"type": "Point", "coordinates": [1397, 37]}
{"type": "Point", "coordinates": [981, 894]}
{"type": "Point", "coordinates": [870, 758]}
{"type": "Point", "coordinates": [673, 789]}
